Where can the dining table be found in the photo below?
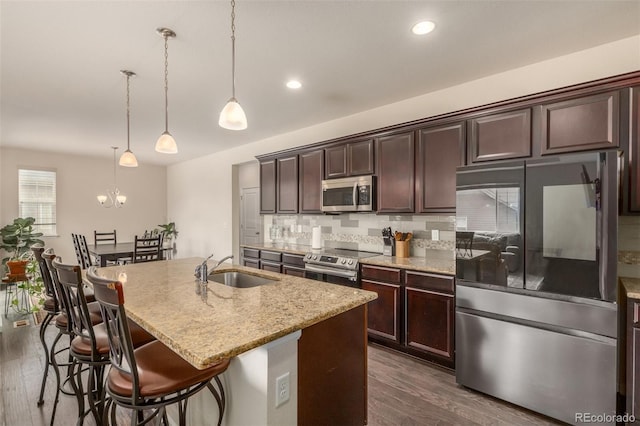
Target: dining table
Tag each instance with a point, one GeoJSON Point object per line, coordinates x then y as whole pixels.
{"type": "Point", "coordinates": [113, 252]}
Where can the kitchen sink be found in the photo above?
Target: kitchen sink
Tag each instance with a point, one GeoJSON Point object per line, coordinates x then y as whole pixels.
{"type": "Point", "coordinates": [239, 279]}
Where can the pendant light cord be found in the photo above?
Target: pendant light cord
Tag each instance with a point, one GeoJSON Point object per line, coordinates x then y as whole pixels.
{"type": "Point", "coordinates": [233, 49]}
{"type": "Point", "coordinates": [128, 113]}
{"type": "Point", "coordinates": [115, 180]}
{"type": "Point", "coordinates": [166, 83]}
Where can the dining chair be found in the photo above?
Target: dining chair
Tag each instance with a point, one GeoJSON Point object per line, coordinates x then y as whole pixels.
{"type": "Point", "coordinates": [148, 378]}
{"type": "Point", "coordinates": [105, 237]}
{"type": "Point", "coordinates": [82, 251]}
{"type": "Point", "coordinates": [147, 249]}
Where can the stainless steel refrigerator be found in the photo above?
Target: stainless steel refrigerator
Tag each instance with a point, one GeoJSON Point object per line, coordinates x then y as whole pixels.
{"type": "Point", "coordinates": [536, 255]}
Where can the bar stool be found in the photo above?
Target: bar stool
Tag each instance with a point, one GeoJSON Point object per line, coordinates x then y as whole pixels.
{"type": "Point", "coordinates": [90, 345]}
{"type": "Point", "coordinates": [151, 376]}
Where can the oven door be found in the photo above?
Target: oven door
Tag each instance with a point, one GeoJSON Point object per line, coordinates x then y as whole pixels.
{"type": "Point", "coordinates": [332, 275]}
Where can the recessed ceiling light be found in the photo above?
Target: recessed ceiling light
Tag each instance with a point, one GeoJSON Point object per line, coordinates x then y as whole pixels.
{"type": "Point", "coordinates": [422, 28]}
{"type": "Point", "coordinates": [294, 84]}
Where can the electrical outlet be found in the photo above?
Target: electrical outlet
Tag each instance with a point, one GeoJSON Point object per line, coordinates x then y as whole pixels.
{"type": "Point", "coordinates": [435, 234]}
{"type": "Point", "coordinates": [282, 389]}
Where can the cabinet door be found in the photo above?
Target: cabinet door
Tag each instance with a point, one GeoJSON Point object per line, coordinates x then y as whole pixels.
{"type": "Point", "coordinates": [292, 270]}
{"type": "Point", "coordinates": [287, 194]}
{"type": "Point", "coordinates": [429, 321]}
{"type": "Point", "coordinates": [395, 164]}
{"type": "Point", "coordinates": [269, 266]}
{"type": "Point", "coordinates": [500, 136]}
{"type": "Point", "coordinates": [311, 173]}
{"type": "Point", "coordinates": [335, 159]}
{"type": "Point", "coordinates": [581, 124]}
{"type": "Point", "coordinates": [634, 397]}
{"type": "Point", "coordinates": [384, 313]}
{"type": "Point", "coordinates": [634, 152]}
{"type": "Point", "coordinates": [268, 186]}
{"type": "Point", "coordinates": [360, 158]}
{"type": "Point", "coordinates": [440, 151]}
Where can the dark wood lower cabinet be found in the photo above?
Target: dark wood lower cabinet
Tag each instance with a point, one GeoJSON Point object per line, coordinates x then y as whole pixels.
{"type": "Point", "coordinates": [332, 371]}
{"type": "Point", "coordinates": [414, 312]}
{"type": "Point", "coordinates": [270, 266]}
{"type": "Point", "coordinates": [251, 263]}
{"type": "Point", "coordinates": [384, 312]}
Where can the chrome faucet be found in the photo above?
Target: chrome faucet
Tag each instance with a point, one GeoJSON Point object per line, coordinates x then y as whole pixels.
{"type": "Point", "coordinates": [201, 271]}
{"type": "Point", "coordinates": [222, 260]}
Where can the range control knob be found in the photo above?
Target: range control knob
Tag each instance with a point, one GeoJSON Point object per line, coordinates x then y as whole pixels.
{"type": "Point", "coordinates": [315, 257]}
{"type": "Point", "coordinates": [350, 261]}
{"type": "Point", "coordinates": [308, 256]}
{"type": "Point", "coordinates": [344, 261]}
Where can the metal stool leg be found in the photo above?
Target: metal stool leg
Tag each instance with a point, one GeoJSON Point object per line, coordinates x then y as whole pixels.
{"type": "Point", "coordinates": [47, 363]}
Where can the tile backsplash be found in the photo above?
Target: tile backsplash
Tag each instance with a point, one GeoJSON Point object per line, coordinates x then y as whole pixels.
{"type": "Point", "coordinates": [363, 231]}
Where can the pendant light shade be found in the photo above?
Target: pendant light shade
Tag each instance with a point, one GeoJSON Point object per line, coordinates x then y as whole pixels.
{"type": "Point", "coordinates": [165, 143]}
{"type": "Point", "coordinates": [128, 159]}
{"type": "Point", "coordinates": [113, 198]}
{"type": "Point", "coordinates": [232, 116]}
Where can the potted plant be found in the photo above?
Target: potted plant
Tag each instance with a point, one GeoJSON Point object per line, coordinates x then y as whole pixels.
{"type": "Point", "coordinates": [17, 239]}
{"type": "Point", "coordinates": [170, 232]}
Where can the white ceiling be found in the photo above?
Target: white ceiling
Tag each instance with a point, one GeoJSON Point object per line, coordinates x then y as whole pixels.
{"type": "Point", "coordinates": [61, 88]}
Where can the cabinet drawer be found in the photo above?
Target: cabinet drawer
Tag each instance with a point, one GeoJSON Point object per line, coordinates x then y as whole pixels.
{"type": "Point", "coordinates": [274, 256]}
{"type": "Point", "coordinates": [268, 266]}
{"type": "Point", "coordinates": [379, 273]}
{"type": "Point", "coordinates": [430, 282]}
{"type": "Point", "coordinates": [636, 313]}
{"type": "Point", "coordinates": [293, 259]}
{"type": "Point", "coordinates": [250, 252]}
{"type": "Point", "coordinates": [251, 263]}
{"type": "Point", "coordinates": [291, 270]}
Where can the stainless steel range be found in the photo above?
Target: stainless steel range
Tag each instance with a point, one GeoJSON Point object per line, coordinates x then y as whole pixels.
{"type": "Point", "coordinates": [337, 266]}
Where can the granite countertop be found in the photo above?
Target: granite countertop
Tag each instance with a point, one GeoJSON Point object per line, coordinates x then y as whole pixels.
{"type": "Point", "coordinates": [438, 266]}
{"type": "Point", "coordinates": [224, 321]}
{"type": "Point", "coordinates": [423, 264]}
{"type": "Point", "coordinates": [632, 286]}
{"type": "Point", "coordinates": [283, 247]}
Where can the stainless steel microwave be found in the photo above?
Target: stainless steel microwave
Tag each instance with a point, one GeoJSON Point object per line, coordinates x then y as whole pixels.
{"type": "Point", "coordinates": [352, 194]}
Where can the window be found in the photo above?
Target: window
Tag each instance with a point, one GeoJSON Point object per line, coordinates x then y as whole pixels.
{"type": "Point", "coordinates": [37, 198]}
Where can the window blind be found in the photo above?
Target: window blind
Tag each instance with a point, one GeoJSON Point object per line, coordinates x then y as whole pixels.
{"type": "Point", "coordinates": [37, 198]}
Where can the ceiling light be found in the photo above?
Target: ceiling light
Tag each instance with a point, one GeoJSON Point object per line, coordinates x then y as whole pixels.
{"type": "Point", "coordinates": [294, 84]}
{"type": "Point", "coordinates": [232, 116]}
{"type": "Point", "coordinates": [116, 199]}
{"type": "Point", "coordinates": [128, 159]}
{"type": "Point", "coordinates": [166, 144]}
{"type": "Point", "coordinates": [422, 28]}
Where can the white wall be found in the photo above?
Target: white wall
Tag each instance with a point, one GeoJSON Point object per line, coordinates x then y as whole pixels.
{"type": "Point", "coordinates": [200, 191]}
{"type": "Point", "coordinates": [79, 180]}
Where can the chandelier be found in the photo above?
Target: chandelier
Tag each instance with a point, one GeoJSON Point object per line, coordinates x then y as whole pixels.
{"type": "Point", "coordinates": [115, 199]}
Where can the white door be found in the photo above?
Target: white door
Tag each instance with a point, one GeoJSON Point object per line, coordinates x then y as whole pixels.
{"type": "Point", "coordinates": [250, 223]}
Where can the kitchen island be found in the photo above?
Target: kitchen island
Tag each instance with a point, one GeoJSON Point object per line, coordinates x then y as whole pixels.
{"type": "Point", "coordinates": [307, 333]}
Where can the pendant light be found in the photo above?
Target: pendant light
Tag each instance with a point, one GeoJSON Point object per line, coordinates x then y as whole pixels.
{"type": "Point", "coordinates": [128, 159]}
{"type": "Point", "coordinates": [232, 116]}
{"type": "Point", "coordinates": [116, 199]}
{"type": "Point", "coordinates": [166, 144]}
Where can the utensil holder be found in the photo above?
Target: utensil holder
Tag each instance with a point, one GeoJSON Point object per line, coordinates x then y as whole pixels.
{"type": "Point", "coordinates": [402, 249]}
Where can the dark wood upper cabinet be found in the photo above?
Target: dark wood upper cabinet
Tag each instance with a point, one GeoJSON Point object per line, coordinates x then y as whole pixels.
{"type": "Point", "coordinates": [350, 159]}
{"type": "Point", "coordinates": [311, 174]}
{"type": "Point", "coordinates": [585, 123]}
{"type": "Point", "coordinates": [287, 193]}
{"type": "Point", "coordinates": [634, 152]}
{"type": "Point", "coordinates": [360, 158]}
{"type": "Point", "coordinates": [500, 136]}
{"type": "Point", "coordinates": [440, 150]}
{"type": "Point", "coordinates": [268, 186]}
{"type": "Point", "coordinates": [396, 173]}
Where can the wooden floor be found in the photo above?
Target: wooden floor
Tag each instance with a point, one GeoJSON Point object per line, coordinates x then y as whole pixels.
{"type": "Point", "coordinates": [402, 390]}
